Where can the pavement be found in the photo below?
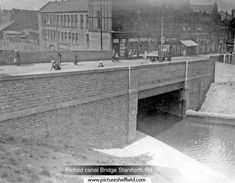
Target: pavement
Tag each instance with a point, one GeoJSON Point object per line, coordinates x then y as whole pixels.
{"type": "Point", "coordinates": [44, 68]}
{"type": "Point", "coordinates": [162, 155]}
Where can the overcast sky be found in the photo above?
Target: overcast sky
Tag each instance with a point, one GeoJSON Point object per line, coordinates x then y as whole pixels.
{"type": "Point", "coordinates": [37, 4]}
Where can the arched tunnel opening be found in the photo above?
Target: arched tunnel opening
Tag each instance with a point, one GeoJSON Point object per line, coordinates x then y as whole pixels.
{"type": "Point", "coordinates": [159, 113]}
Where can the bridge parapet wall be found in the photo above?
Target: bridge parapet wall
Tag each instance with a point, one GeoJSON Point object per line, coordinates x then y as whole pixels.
{"type": "Point", "coordinates": [156, 75]}
{"type": "Point", "coordinates": [85, 108]}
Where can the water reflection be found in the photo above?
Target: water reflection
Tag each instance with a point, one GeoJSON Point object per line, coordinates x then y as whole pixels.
{"type": "Point", "coordinates": [212, 145]}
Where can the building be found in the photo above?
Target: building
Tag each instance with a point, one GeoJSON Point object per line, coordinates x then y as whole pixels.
{"type": "Point", "coordinates": [63, 25]}
{"type": "Point", "coordinates": [202, 8]}
{"type": "Point", "coordinates": [19, 30]}
{"type": "Point", "coordinates": [100, 29]}
{"type": "Point", "coordinates": [137, 26]}
{"type": "Point", "coordinates": [126, 25]}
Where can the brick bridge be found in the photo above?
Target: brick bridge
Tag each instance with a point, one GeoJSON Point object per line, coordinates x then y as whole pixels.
{"type": "Point", "coordinates": [95, 107]}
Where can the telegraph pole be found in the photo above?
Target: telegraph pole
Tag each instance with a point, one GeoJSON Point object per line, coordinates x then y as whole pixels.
{"type": "Point", "coordinates": [57, 33]}
{"type": "Point", "coordinates": [101, 26]}
{"type": "Point", "coordinates": [234, 45]}
{"type": "Point", "coordinates": [162, 38]}
{"type": "Point", "coordinates": [233, 54]}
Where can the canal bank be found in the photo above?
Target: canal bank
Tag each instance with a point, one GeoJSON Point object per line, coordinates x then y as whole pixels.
{"type": "Point", "coordinates": [162, 155]}
{"type": "Point", "coordinates": [219, 104]}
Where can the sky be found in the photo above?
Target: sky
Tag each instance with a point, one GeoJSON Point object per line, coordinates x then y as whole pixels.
{"type": "Point", "coordinates": [37, 4]}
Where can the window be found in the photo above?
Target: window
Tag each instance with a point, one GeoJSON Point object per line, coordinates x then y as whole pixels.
{"type": "Point", "coordinates": [65, 36]}
{"type": "Point", "coordinates": [49, 34]}
{"type": "Point", "coordinates": [47, 19]}
{"type": "Point", "coordinates": [43, 34]}
{"type": "Point", "coordinates": [98, 20]}
{"type": "Point", "coordinates": [65, 20]}
{"type": "Point", "coordinates": [69, 36]}
{"type": "Point", "coordinates": [43, 19]}
{"type": "Point", "coordinates": [68, 19]}
{"type": "Point", "coordinates": [46, 35]}
{"type": "Point", "coordinates": [72, 37]}
{"type": "Point", "coordinates": [54, 36]}
{"type": "Point", "coordinates": [87, 21]}
{"type": "Point", "coordinates": [87, 39]}
{"type": "Point", "coordinates": [76, 20]}
{"type": "Point", "coordinates": [81, 21]}
{"type": "Point", "coordinates": [61, 20]}
{"type": "Point", "coordinates": [58, 20]}
{"type": "Point", "coordinates": [62, 37]}
{"type": "Point", "coordinates": [51, 19]}
{"type": "Point", "coordinates": [54, 19]}
{"type": "Point", "coordinates": [76, 38]}
{"type": "Point", "coordinates": [72, 20]}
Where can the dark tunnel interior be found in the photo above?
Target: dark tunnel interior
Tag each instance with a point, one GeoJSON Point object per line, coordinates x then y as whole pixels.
{"type": "Point", "coordinates": [159, 113]}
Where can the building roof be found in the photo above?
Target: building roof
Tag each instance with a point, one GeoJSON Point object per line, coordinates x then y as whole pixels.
{"type": "Point", "coordinates": [225, 15]}
{"type": "Point", "coordinates": [4, 26]}
{"type": "Point", "coordinates": [188, 43]}
{"type": "Point", "coordinates": [202, 8]}
{"type": "Point", "coordinates": [23, 19]}
{"type": "Point", "coordinates": [65, 6]}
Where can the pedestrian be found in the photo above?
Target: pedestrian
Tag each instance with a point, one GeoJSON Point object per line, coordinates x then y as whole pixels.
{"type": "Point", "coordinates": [17, 59]}
{"type": "Point", "coordinates": [75, 62]}
{"type": "Point", "coordinates": [55, 65]}
{"type": "Point", "coordinates": [100, 64]}
{"type": "Point", "coordinates": [145, 54]}
{"type": "Point", "coordinates": [130, 54]}
{"type": "Point", "coordinates": [113, 55]}
{"type": "Point", "coordinates": [59, 55]}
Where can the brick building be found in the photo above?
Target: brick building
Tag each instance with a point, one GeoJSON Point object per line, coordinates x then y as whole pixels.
{"type": "Point", "coordinates": [63, 25]}
{"type": "Point", "coordinates": [137, 26]}
{"type": "Point", "coordinates": [100, 18]}
{"type": "Point", "coordinates": [129, 24]}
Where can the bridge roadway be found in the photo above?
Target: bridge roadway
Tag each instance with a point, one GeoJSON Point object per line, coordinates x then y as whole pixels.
{"type": "Point", "coordinates": [44, 68]}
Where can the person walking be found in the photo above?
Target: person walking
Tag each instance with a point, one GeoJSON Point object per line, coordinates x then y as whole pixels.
{"type": "Point", "coordinates": [75, 62]}
{"type": "Point", "coordinates": [130, 54]}
{"type": "Point", "coordinates": [113, 55]}
{"type": "Point", "coordinates": [17, 59]}
{"type": "Point", "coordinates": [59, 56]}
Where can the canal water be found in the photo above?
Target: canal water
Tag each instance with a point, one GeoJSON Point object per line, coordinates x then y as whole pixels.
{"type": "Point", "coordinates": [210, 144]}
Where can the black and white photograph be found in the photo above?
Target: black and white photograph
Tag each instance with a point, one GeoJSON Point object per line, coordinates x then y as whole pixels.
{"type": "Point", "coordinates": [117, 91]}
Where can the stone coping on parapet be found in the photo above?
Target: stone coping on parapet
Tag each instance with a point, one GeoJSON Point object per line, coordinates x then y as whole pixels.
{"type": "Point", "coordinates": [59, 73]}
{"type": "Point", "coordinates": [43, 69]}
{"type": "Point", "coordinates": [174, 62]}
{"type": "Point", "coordinates": [213, 118]}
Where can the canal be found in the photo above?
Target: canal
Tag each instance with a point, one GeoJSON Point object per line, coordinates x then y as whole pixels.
{"type": "Point", "coordinates": [210, 144]}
